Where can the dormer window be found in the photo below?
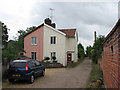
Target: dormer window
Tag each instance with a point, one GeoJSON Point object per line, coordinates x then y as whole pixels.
{"type": "Point", "coordinates": [34, 40]}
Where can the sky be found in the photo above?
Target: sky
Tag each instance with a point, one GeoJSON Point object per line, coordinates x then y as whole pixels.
{"type": "Point", "coordinates": [86, 17]}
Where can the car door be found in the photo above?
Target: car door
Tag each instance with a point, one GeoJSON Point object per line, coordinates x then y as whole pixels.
{"type": "Point", "coordinates": [34, 68]}
{"type": "Point", "coordinates": [39, 67]}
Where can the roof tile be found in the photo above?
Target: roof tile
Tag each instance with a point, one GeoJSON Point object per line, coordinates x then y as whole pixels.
{"type": "Point", "coordinates": [68, 32]}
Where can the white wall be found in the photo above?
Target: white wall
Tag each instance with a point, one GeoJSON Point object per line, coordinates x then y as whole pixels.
{"type": "Point", "coordinates": [71, 45]}
{"type": "Point", "coordinates": [59, 47]}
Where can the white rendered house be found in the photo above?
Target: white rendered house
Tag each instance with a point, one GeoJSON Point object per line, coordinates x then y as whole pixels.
{"type": "Point", "coordinates": [47, 41]}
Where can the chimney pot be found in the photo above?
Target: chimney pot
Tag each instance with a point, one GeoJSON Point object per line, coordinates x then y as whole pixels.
{"type": "Point", "coordinates": [53, 25]}
{"type": "Point", "coordinates": [47, 21]}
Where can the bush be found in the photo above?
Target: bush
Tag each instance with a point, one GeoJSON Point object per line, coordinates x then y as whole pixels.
{"type": "Point", "coordinates": [81, 53]}
{"type": "Point", "coordinates": [46, 58]}
{"type": "Point", "coordinates": [54, 58]}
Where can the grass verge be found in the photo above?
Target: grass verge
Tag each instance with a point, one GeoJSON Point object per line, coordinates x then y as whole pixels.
{"type": "Point", "coordinates": [96, 77]}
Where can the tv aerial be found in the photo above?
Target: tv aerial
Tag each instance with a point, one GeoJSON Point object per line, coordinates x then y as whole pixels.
{"type": "Point", "coordinates": [51, 13]}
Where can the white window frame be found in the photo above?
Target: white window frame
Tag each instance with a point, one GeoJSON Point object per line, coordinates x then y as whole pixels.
{"type": "Point", "coordinates": [34, 40]}
{"type": "Point", "coordinates": [53, 40]}
{"type": "Point", "coordinates": [52, 54]}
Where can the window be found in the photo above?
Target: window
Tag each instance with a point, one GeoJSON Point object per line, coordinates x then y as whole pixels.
{"type": "Point", "coordinates": [21, 54]}
{"type": "Point", "coordinates": [37, 63]}
{"type": "Point", "coordinates": [34, 40]}
{"type": "Point", "coordinates": [53, 40]}
{"type": "Point", "coordinates": [18, 65]}
{"type": "Point", "coordinates": [33, 55]}
{"type": "Point", "coordinates": [53, 54]}
{"type": "Point", "coordinates": [32, 64]}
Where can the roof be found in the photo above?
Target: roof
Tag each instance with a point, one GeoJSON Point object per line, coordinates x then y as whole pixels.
{"type": "Point", "coordinates": [112, 31]}
{"type": "Point", "coordinates": [65, 32]}
{"type": "Point", "coordinates": [55, 29]}
{"type": "Point", "coordinates": [34, 29]}
{"type": "Point", "coordinates": [20, 60]}
{"type": "Point", "coordinates": [68, 32]}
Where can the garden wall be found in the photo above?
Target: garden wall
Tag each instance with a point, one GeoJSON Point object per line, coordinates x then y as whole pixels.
{"type": "Point", "coordinates": [111, 58]}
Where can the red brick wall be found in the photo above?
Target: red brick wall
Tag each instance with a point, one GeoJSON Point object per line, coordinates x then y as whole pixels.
{"type": "Point", "coordinates": [111, 60]}
{"type": "Point", "coordinates": [119, 56]}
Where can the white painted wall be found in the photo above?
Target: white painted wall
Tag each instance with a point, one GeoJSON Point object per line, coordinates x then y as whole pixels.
{"type": "Point", "coordinates": [71, 45]}
{"type": "Point", "coordinates": [59, 47]}
{"type": "Point", "coordinates": [63, 44]}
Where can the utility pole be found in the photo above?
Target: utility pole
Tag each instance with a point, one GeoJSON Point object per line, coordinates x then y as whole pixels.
{"type": "Point", "coordinates": [51, 10]}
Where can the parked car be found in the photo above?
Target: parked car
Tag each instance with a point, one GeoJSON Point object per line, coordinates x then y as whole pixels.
{"type": "Point", "coordinates": [25, 70]}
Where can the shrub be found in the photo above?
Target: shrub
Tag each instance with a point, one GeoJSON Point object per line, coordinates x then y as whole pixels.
{"type": "Point", "coordinates": [54, 58]}
{"type": "Point", "coordinates": [46, 58]}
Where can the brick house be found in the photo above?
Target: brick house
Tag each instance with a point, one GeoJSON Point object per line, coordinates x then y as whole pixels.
{"type": "Point", "coordinates": [111, 58]}
{"type": "Point", "coordinates": [47, 41]}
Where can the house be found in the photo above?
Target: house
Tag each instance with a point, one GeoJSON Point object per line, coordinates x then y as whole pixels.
{"type": "Point", "coordinates": [111, 58]}
{"type": "Point", "coordinates": [47, 41]}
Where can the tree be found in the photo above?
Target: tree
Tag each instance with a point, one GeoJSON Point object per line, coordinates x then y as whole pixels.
{"type": "Point", "coordinates": [81, 53]}
{"type": "Point", "coordinates": [21, 34]}
{"type": "Point", "coordinates": [30, 28]}
{"type": "Point", "coordinates": [4, 41]}
{"type": "Point", "coordinates": [4, 35]}
{"type": "Point", "coordinates": [20, 42]}
{"type": "Point", "coordinates": [95, 52]}
{"type": "Point", "coordinates": [98, 48]}
{"type": "Point", "coordinates": [89, 51]}
{"type": "Point", "coordinates": [13, 47]}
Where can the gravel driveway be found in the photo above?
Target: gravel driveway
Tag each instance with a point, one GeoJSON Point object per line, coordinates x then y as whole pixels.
{"type": "Point", "coordinates": [59, 78]}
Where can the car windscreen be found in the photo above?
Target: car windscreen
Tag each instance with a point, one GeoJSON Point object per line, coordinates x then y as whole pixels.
{"type": "Point", "coordinates": [18, 65]}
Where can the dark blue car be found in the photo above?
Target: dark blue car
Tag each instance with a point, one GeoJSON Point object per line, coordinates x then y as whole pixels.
{"type": "Point", "coordinates": [25, 70]}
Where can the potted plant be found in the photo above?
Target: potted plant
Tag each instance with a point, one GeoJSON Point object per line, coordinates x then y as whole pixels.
{"type": "Point", "coordinates": [54, 59]}
{"type": "Point", "coordinates": [46, 59]}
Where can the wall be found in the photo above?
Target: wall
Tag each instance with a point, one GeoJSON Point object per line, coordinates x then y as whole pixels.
{"type": "Point", "coordinates": [59, 47]}
{"type": "Point", "coordinates": [111, 60]}
{"type": "Point", "coordinates": [71, 45]}
{"type": "Point", "coordinates": [28, 47]}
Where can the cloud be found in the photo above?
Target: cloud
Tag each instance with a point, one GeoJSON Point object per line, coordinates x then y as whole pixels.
{"type": "Point", "coordinates": [87, 17]}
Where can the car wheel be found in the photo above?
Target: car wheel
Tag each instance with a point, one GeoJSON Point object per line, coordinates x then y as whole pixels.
{"type": "Point", "coordinates": [43, 73]}
{"type": "Point", "coordinates": [32, 79]}
{"type": "Point", "coordinates": [11, 80]}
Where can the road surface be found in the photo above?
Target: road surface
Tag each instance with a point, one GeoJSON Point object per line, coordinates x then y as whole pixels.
{"type": "Point", "coordinates": [59, 78]}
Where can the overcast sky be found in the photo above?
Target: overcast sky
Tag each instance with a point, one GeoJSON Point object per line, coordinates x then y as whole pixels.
{"type": "Point", "coordinates": [86, 17]}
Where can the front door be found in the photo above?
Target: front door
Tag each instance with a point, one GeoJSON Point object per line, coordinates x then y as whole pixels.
{"type": "Point", "coordinates": [69, 58]}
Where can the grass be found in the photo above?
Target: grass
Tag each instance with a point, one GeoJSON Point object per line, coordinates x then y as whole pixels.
{"type": "Point", "coordinates": [74, 64]}
{"type": "Point", "coordinates": [96, 77]}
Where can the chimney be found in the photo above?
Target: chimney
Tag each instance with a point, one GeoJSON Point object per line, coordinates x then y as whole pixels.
{"type": "Point", "coordinates": [53, 25]}
{"type": "Point", "coordinates": [47, 21]}
{"type": "Point", "coordinates": [95, 35]}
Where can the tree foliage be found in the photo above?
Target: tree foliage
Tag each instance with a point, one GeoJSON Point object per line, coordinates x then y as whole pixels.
{"type": "Point", "coordinates": [89, 50]}
{"type": "Point", "coordinates": [21, 34]}
{"type": "Point", "coordinates": [81, 53]}
{"type": "Point", "coordinates": [13, 48]}
{"type": "Point", "coordinates": [96, 51]}
{"type": "Point", "coordinates": [4, 35]}
{"type": "Point", "coordinates": [29, 29]}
